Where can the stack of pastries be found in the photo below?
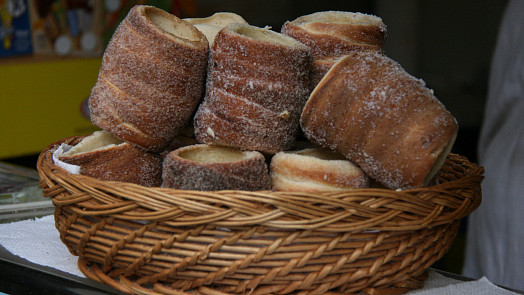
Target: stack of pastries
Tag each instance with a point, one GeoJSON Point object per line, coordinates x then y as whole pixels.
{"type": "Point", "coordinates": [245, 92]}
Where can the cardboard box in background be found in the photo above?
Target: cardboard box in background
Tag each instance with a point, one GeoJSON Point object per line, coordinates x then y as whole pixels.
{"type": "Point", "coordinates": [15, 29]}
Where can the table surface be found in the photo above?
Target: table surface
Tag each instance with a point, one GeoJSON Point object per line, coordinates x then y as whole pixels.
{"type": "Point", "coordinates": [20, 276]}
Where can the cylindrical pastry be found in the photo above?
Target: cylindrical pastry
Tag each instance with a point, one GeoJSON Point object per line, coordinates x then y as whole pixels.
{"type": "Point", "coordinates": [333, 34]}
{"type": "Point", "coordinates": [210, 25]}
{"type": "Point", "coordinates": [151, 79]}
{"type": "Point", "coordinates": [257, 85]}
{"type": "Point", "coordinates": [211, 167]}
{"type": "Point", "coordinates": [107, 158]}
{"type": "Point", "coordinates": [369, 109]}
{"type": "Point", "coordinates": [315, 170]}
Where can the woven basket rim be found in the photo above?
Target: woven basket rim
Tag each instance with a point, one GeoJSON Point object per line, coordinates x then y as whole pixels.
{"type": "Point", "coordinates": [462, 194]}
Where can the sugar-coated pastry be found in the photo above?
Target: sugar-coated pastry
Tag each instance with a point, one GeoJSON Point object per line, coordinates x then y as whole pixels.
{"type": "Point", "coordinates": [211, 167]}
{"type": "Point", "coordinates": [105, 157]}
{"type": "Point", "coordinates": [257, 85]}
{"type": "Point", "coordinates": [210, 25]}
{"type": "Point", "coordinates": [315, 170]}
{"type": "Point", "coordinates": [336, 33]}
{"type": "Point", "coordinates": [333, 34]}
{"type": "Point", "coordinates": [369, 109]}
{"type": "Point", "coordinates": [151, 80]}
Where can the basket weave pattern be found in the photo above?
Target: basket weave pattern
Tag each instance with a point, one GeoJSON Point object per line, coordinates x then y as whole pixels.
{"type": "Point", "coordinates": [156, 240]}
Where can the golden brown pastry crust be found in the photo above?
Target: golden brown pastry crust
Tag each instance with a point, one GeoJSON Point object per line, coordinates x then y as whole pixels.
{"type": "Point", "coordinates": [211, 25]}
{"type": "Point", "coordinates": [315, 170]}
{"type": "Point", "coordinates": [268, 93]}
{"type": "Point", "coordinates": [333, 34]}
{"type": "Point", "coordinates": [107, 104]}
{"type": "Point", "coordinates": [210, 167]}
{"type": "Point", "coordinates": [336, 33]}
{"type": "Point", "coordinates": [228, 120]}
{"type": "Point", "coordinates": [369, 109]}
{"type": "Point", "coordinates": [119, 161]}
{"type": "Point", "coordinates": [151, 78]}
{"type": "Point", "coordinates": [219, 19]}
{"type": "Point", "coordinates": [257, 85]}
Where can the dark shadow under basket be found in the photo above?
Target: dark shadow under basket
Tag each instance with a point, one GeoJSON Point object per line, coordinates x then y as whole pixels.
{"type": "Point", "coordinates": [157, 240]}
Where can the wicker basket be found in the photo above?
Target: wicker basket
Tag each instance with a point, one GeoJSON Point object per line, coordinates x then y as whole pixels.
{"type": "Point", "coordinates": [155, 240]}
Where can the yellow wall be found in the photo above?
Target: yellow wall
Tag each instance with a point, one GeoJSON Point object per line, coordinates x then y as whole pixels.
{"type": "Point", "coordinates": [40, 103]}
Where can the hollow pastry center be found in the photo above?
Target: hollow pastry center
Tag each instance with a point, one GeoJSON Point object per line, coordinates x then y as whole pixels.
{"type": "Point", "coordinates": [265, 35]}
{"type": "Point", "coordinates": [340, 18]}
{"type": "Point", "coordinates": [212, 155]}
{"type": "Point", "coordinates": [99, 140]}
{"type": "Point", "coordinates": [179, 29]}
{"type": "Point", "coordinates": [219, 19]}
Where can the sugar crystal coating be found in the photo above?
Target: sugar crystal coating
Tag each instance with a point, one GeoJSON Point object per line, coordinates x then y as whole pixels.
{"type": "Point", "coordinates": [231, 169]}
{"type": "Point", "coordinates": [333, 34]}
{"type": "Point", "coordinates": [372, 111]}
{"type": "Point", "coordinates": [257, 85]}
{"type": "Point", "coordinates": [101, 156]}
{"type": "Point", "coordinates": [151, 79]}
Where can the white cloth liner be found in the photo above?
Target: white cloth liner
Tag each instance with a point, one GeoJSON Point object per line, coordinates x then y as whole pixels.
{"type": "Point", "coordinates": [63, 148]}
{"type": "Point", "coordinates": [38, 241]}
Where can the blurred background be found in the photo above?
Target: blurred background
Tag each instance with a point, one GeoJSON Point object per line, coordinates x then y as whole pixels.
{"type": "Point", "coordinates": [51, 51]}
